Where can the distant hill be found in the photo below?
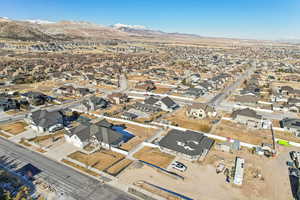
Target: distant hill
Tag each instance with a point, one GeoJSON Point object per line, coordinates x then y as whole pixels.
{"type": "Point", "coordinates": [20, 31]}
{"type": "Point", "coordinates": [41, 30]}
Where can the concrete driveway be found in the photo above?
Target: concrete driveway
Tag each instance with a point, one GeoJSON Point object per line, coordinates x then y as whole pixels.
{"type": "Point", "coordinates": [58, 152]}
{"type": "Point", "coordinates": [26, 134]}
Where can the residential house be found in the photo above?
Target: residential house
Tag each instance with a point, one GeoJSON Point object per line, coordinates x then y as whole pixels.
{"type": "Point", "coordinates": [286, 90]}
{"type": "Point", "coordinates": [128, 116]}
{"type": "Point", "coordinates": [194, 92]}
{"type": "Point", "coordinates": [98, 134]}
{"type": "Point", "coordinates": [43, 120]}
{"type": "Point", "coordinates": [8, 104]}
{"type": "Point", "coordinates": [187, 144]}
{"type": "Point", "coordinates": [165, 103]}
{"type": "Point", "coordinates": [67, 90]}
{"type": "Point", "coordinates": [81, 92]}
{"type": "Point", "coordinates": [292, 125]}
{"type": "Point", "coordinates": [200, 111]}
{"type": "Point", "coordinates": [37, 98]}
{"type": "Point", "coordinates": [94, 103]}
{"type": "Point", "coordinates": [118, 98]}
{"type": "Point", "coordinates": [147, 85]}
{"type": "Point", "coordinates": [146, 107]}
{"type": "Point", "coordinates": [248, 117]}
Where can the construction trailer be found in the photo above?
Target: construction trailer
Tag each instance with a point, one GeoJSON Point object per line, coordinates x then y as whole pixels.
{"type": "Point", "coordinates": [239, 171]}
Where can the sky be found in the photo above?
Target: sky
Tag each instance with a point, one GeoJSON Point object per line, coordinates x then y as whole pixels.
{"type": "Point", "coordinates": [253, 19]}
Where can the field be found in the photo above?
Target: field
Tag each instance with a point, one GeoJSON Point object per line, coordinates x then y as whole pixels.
{"type": "Point", "coordinates": [100, 160]}
{"type": "Point", "coordinates": [14, 128]}
{"type": "Point", "coordinates": [242, 133]}
{"type": "Point", "coordinates": [179, 118]}
{"type": "Point", "coordinates": [154, 156]}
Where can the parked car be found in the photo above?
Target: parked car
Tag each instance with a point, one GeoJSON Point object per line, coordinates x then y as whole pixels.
{"type": "Point", "coordinates": [56, 128]}
{"type": "Point", "coordinates": [179, 166]}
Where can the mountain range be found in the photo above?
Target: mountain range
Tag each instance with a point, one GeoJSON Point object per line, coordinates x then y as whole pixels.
{"type": "Point", "coordinates": [41, 30]}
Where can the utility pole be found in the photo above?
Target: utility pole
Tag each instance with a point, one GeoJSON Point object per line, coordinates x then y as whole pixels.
{"type": "Point", "coordinates": [273, 138]}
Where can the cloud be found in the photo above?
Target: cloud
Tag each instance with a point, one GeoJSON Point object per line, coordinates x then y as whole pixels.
{"type": "Point", "coordinates": [38, 21]}
{"type": "Point", "coordinates": [118, 25]}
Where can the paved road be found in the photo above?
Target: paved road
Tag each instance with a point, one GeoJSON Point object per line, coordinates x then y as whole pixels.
{"type": "Point", "coordinates": [71, 182]}
{"type": "Point", "coordinates": [217, 100]}
{"type": "Point", "coordinates": [230, 106]}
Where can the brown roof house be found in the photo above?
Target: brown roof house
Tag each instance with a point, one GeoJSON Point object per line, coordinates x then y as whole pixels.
{"type": "Point", "coordinates": [200, 111]}
{"type": "Point", "coordinates": [248, 117]}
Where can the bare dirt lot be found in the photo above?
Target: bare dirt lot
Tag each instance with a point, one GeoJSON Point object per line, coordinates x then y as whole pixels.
{"type": "Point", "coordinates": [154, 156]}
{"type": "Point", "coordinates": [161, 90]}
{"type": "Point", "coordinates": [118, 167]}
{"type": "Point", "coordinates": [100, 160]}
{"type": "Point", "coordinates": [14, 128]}
{"type": "Point", "coordinates": [48, 140]}
{"type": "Point", "coordinates": [241, 132]}
{"type": "Point", "coordinates": [141, 134]}
{"type": "Point", "coordinates": [179, 118]}
{"type": "Point", "coordinates": [202, 182]}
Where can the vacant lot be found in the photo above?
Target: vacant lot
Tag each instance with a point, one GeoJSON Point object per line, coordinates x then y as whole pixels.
{"type": "Point", "coordinates": [14, 128]}
{"type": "Point", "coordinates": [118, 167]}
{"type": "Point", "coordinates": [136, 130]}
{"type": "Point", "coordinates": [241, 132]}
{"type": "Point", "coordinates": [202, 182]}
{"type": "Point", "coordinates": [179, 118]}
{"type": "Point", "coordinates": [295, 85]}
{"type": "Point", "coordinates": [100, 160]}
{"type": "Point", "coordinates": [132, 143]}
{"type": "Point", "coordinates": [80, 168]}
{"type": "Point", "coordinates": [154, 156]}
{"type": "Point", "coordinates": [161, 90]}
{"type": "Point", "coordinates": [285, 135]}
{"type": "Point", "coordinates": [47, 140]}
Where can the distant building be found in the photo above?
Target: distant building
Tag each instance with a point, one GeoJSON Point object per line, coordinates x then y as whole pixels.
{"type": "Point", "coordinates": [200, 111]}
{"type": "Point", "coordinates": [118, 98]}
{"type": "Point", "coordinates": [166, 103]}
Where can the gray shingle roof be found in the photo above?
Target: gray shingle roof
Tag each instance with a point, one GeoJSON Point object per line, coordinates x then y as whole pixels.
{"type": "Point", "coordinates": [246, 112]}
{"type": "Point", "coordinates": [151, 100]}
{"type": "Point", "coordinates": [168, 102]}
{"type": "Point", "coordinates": [45, 119]}
{"type": "Point", "coordinates": [85, 132]}
{"type": "Point", "coordinates": [189, 142]}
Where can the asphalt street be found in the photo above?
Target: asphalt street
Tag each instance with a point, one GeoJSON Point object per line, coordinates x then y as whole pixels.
{"type": "Point", "coordinates": [217, 100]}
{"type": "Point", "coordinates": [67, 180]}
